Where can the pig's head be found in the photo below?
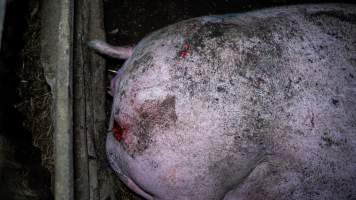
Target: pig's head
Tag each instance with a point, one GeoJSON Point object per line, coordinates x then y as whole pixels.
{"type": "Point", "coordinates": [170, 137]}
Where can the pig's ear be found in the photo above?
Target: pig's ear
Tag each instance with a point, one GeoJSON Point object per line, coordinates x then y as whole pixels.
{"type": "Point", "coordinates": [104, 48]}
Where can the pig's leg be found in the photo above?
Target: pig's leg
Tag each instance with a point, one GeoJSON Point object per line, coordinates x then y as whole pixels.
{"type": "Point", "coordinates": [243, 189]}
{"type": "Point", "coordinates": [272, 176]}
{"type": "Point", "coordinates": [104, 48]}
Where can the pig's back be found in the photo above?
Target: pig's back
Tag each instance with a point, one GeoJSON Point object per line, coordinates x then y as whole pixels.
{"type": "Point", "coordinates": [271, 93]}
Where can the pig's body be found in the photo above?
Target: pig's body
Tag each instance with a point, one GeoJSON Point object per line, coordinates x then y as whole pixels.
{"type": "Point", "coordinates": [259, 105]}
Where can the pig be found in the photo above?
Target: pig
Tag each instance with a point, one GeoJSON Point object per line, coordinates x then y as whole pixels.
{"type": "Point", "coordinates": [255, 105]}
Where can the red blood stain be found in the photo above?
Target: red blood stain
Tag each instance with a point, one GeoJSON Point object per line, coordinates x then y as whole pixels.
{"type": "Point", "coordinates": [118, 131]}
{"type": "Point", "coordinates": [184, 52]}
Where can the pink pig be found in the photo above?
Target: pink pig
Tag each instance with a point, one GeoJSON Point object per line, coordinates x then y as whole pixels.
{"type": "Point", "coordinates": [258, 105]}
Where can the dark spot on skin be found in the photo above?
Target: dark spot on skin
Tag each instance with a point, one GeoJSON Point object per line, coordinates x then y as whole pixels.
{"type": "Point", "coordinates": [351, 75]}
{"type": "Point", "coordinates": [350, 18]}
{"type": "Point", "coordinates": [122, 93]}
{"type": "Point", "coordinates": [152, 114]}
{"type": "Point", "coordinates": [154, 164]}
{"type": "Point", "coordinates": [326, 21]}
{"type": "Point", "coordinates": [220, 89]}
{"type": "Point", "coordinates": [299, 132]}
{"type": "Point", "coordinates": [259, 81]}
{"type": "Point", "coordinates": [328, 141]}
{"type": "Point", "coordinates": [299, 80]}
{"type": "Point", "coordinates": [231, 82]}
{"type": "Point", "coordinates": [206, 32]}
{"type": "Point", "coordinates": [143, 63]}
{"type": "Point", "coordinates": [260, 122]}
{"type": "Point", "coordinates": [335, 102]}
{"type": "Point", "coordinates": [215, 30]}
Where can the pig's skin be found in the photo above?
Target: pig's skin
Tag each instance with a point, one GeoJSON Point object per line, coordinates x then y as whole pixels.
{"type": "Point", "coordinates": [259, 105]}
